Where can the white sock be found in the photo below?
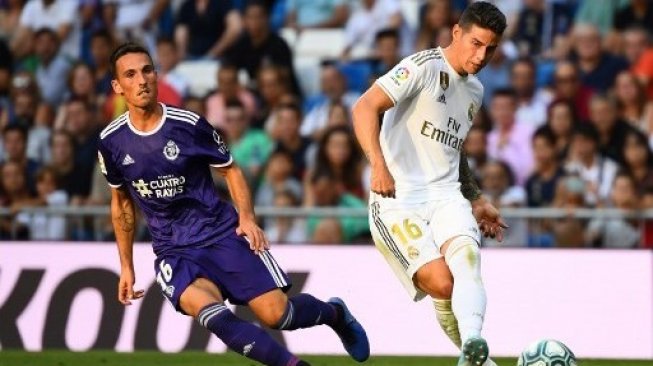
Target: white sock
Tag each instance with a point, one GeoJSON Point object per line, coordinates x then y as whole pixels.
{"type": "Point", "coordinates": [468, 299]}
{"type": "Point", "coordinates": [447, 320]}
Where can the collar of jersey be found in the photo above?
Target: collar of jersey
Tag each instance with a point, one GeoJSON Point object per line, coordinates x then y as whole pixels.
{"type": "Point", "coordinates": [153, 131]}
{"type": "Point", "coordinates": [455, 74]}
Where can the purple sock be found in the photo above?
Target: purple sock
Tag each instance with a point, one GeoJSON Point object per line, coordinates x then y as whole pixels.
{"type": "Point", "coordinates": [305, 311]}
{"type": "Point", "coordinates": [243, 337]}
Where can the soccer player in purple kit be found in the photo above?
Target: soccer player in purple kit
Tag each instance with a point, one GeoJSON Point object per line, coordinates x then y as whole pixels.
{"type": "Point", "coordinates": [207, 250]}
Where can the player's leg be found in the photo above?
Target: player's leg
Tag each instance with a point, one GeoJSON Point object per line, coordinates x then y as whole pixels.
{"type": "Point", "coordinates": [277, 311]}
{"type": "Point", "coordinates": [203, 301]}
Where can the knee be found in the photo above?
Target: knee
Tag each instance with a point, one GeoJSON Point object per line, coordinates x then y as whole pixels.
{"type": "Point", "coordinates": [272, 315]}
{"type": "Point", "coordinates": [438, 288]}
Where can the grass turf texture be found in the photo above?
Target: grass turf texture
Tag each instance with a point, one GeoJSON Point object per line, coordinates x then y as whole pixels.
{"type": "Point", "coordinates": [97, 358]}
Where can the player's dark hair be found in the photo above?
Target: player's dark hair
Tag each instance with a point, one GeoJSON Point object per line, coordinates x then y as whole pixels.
{"type": "Point", "coordinates": [485, 15]}
{"type": "Point", "coordinates": [544, 132]}
{"type": "Point", "coordinates": [22, 130]}
{"type": "Point", "coordinates": [505, 92]}
{"type": "Point", "coordinates": [588, 131]}
{"type": "Point", "coordinates": [386, 33]}
{"type": "Point", "coordinates": [125, 49]}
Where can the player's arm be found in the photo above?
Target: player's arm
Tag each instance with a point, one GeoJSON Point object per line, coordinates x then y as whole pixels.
{"type": "Point", "coordinates": [123, 219]}
{"type": "Point", "coordinates": [367, 127]}
{"type": "Point", "coordinates": [488, 217]}
{"type": "Point", "coordinates": [242, 199]}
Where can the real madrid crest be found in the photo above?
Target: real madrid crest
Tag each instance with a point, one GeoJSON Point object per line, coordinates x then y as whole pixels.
{"type": "Point", "coordinates": [171, 150]}
{"type": "Point", "coordinates": [470, 112]}
{"type": "Point", "coordinates": [444, 80]}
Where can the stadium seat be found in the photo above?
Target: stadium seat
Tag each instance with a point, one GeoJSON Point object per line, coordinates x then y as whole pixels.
{"type": "Point", "coordinates": [320, 43]}
{"type": "Point", "coordinates": [411, 10]}
{"type": "Point", "coordinates": [201, 75]}
{"type": "Point", "coordinates": [290, 36]}
{"type": "Point", "coordinates": [357, 74]}
{"type": "Point", "coordinates": [308, 72]}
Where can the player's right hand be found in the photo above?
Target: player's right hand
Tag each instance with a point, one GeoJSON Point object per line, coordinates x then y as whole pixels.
{"type": "Point", "coordinates": [126, 291]}
{"type": "Point", "coordinates": [382, 182]}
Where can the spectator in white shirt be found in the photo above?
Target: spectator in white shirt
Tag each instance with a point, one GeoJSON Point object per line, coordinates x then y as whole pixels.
{"type": "Point", "coordinates": [532, 101]}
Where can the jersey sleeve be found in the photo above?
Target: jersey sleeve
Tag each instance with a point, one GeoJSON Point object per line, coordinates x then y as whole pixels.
{"type": "Point", "coordinates": [211, 145]}
{"type": "Point", "coordinates": [108, 167]}
{"type": "Point", "coordinates": [403, 81]}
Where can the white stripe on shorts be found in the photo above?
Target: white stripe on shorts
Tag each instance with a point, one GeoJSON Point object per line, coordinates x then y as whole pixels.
{"type": "Point", "coordinates": [270, 268]}
{"type": "Point", "coordinates": [278, 271]}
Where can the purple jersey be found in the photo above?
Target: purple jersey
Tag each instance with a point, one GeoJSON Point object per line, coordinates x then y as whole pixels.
{"type": "Point", "coordinates": [167, 173]}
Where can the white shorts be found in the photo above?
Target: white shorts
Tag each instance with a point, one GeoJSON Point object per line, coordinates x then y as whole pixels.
{"type": "Point", "coordinates": [410, 235]}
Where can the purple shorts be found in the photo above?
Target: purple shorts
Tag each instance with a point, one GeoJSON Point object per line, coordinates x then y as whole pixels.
{"type": "Point", "coordinates": [240, 274]}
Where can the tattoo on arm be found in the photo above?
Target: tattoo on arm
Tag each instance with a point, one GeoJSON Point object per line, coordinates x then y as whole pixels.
{"type": "Point", "coordinates": [126, 222]}
{"type": "Point", "coordinates": [468, 185]}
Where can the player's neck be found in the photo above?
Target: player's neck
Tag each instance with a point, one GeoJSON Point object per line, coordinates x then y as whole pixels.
{"type": "Point", "coordinates": [145, 119]}
{"type": "Point", "coordinates": [449, 52]}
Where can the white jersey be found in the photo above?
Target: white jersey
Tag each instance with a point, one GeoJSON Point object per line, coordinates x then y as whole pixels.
{"type": "Point", "coordinates": [423, 134]}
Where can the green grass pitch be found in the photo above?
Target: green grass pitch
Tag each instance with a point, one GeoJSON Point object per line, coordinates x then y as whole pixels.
{"type": "Point", "coordinates": [63, 358]}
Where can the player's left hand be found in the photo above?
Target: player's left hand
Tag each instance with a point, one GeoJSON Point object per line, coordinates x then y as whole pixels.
{"type": "Point", "coordinates": [254, 235]}
{"type": "Point", "coordinates": [488, 218]}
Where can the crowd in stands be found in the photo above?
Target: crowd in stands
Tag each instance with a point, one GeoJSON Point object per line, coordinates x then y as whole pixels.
{"type": "Point", "coordinates": [567, 120]}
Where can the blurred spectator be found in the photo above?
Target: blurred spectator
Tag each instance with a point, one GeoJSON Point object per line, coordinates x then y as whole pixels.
{"type": "Point", "coordinates": [541, 185]}
{"type": "Point", "coordinates": [598, 68]}
{"type": "Point", "coordinates": [136, 21]}
{"type": "Point", "coordinates": [612, 130]}
{"type": "Point", "coordinates": [435, 24]}
{"type": "Point", "coordinates": [617, 232]}
{"type": "Point", "coordinates": [101, 47]}
{"type": "Point", "coordinates": [386, 51]}
{"type": "Point", "coordinates": [63, 160]}
{"type": "Point", "coordinates": [273, 84]}
{"type": "Point", "coordinates": [570, 195]}
{"type": "Point", "coordinates": [499, 186]}
{"type": "Point", "coordinates": [81, 85]}
{"type": "Point", "coordinates": [52, 66]}
{"type": "Point", "coordinates": [286, 230]}
{"type": "Point", "coordinates": [43, 226]}
{"type": "Point", "coordinates": [643, 68]}
{"type": "Point", "coordinates": [635, 42]}
{"type": "Point", "coordinates": [638, 13]}
{"type": "Point", "coordinates": [58, 16]}
{"type": "Point", "coordinates": [24, 98]}
{"type": "Point", "coordinates": [633, 106]}
{"type": "Point", "coordinates": [334, 91]}
{"type": "Point", "coordinates": [475, 148]}
{"type": "Point", "coordinates": [277, 176]}
{"type": "Point", "coordinates": [249, 147]}
{"type": "Point", "coordinates": [638, 160]}
{"type": "Point", "coordinates": [509, 139]}
{"type": "Point", "coordinates": [370, 17]}
{"type": "Point", "coordinates": [598, 12]}
{"type": "Point", "coordinates": [10, 18]}
{"type": "Point", "coordinates": [306, 14]}
{"type": "Point", "coordinates": [229, 88]}
{"type": "Point", "coordinates": [339, 115]}
{"type": "Point", "coordinates": [562, 123]}
{"type": "Point", "coordinates": [567, 86]}
{"type": "Point", "coordinates": [167, 56]}
{"type": "Point", "coordinates": [586, 162]}
{"type": "Point", "coordinates": [258, 46]}
{"type": "Point", "coordinates": [14, 141]}
{"type": "Point", "coordinates": [339, 155]}
{"type": "Point", "coordinates": [6, 70]}
{"type": "Point", "coordinates": [15, 192]}
{"type": "Point", "coordinates": [322, 191]}
{"type": "Point", "coordinates": [206, 28]}
{"type": "Point", "coordinates": [530, 27]}
{"type": "Point", "coordinates": [286, 134]}
{"type": "Point", "coordinates": [532, 101]}
{"type": "Point", "coordinates": [196, 105]}
{"type": "Point", "coordinates": [38, 137]}
{"type": "Point", "coordinates": [495, 76]}
{"type": "Point", "coordinates": [80, 124]}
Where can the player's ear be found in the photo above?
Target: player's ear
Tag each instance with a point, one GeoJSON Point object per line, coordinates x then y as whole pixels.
{"type": "Point", "coordinates": [116, 87]}
{"type": "Point", "coordinates": [456, 32]}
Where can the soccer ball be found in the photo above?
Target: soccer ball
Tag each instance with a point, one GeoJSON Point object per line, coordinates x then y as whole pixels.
{"type": "Point", "coordinates": [547, 352]}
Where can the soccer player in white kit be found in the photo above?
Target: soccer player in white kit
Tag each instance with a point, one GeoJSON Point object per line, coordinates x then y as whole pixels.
{"type": "Point", "coordinates": [426, 211]}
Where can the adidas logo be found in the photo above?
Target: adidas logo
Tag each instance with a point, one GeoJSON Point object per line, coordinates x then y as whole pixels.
{"type": "Point", "coordinates": [442, 99]}
{"type": "Point", "coordinates": [127, 160]}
